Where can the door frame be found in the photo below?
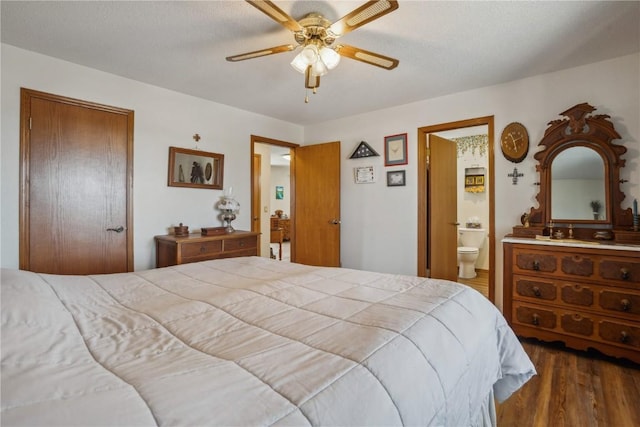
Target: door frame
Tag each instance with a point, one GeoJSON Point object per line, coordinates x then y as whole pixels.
{"type": "Point", "coordinates": [256, 139]}
{"type": "Point", "coordinates": [422, 191]}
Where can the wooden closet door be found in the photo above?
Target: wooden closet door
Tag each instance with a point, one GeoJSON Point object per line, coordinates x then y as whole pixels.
{"type": "Point", "coordinates": [76, 171]}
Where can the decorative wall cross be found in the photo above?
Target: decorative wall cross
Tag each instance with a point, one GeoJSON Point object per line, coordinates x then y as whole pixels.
{"type": "Point", "coordinates": [515, 175]}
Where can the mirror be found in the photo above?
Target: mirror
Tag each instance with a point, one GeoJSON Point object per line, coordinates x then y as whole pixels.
{"type": "Point", "coordinates": [579, 164]}
{"type": "Point", "coordinates": [195, 168]}
{"type": "Point", "coordinates": [578, 186]}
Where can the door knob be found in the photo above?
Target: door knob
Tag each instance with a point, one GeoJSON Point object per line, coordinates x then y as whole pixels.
{"type": "Point", "coordinates": [335, 221]}
{"type": "Point", "coordinates": [120, 229]}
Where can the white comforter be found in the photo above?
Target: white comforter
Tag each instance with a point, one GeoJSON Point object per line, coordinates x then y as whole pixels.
{"type": "Point", "coordinates": [251, 341]}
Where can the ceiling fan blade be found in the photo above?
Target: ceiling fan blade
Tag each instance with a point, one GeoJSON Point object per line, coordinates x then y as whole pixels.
{"type": "Point", "coordinates": [277, 14]}
{"type": "Point", "coordinates": [262, 52]}
{"type": "Point", "coordinates": [364, 14]}
{"type": "Point", "coordinates": [371, 58]}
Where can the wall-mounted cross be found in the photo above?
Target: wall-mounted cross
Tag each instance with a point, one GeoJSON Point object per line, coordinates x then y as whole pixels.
{"type": "Point", "coordinates": [196, 138]}
{"type": "Point", "coordinates": [515, 175]}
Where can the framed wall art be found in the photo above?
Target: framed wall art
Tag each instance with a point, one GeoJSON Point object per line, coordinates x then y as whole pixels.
{"type": "Point", "coordinates": [364, 175]}
{"type": "Point", "coordinates": [396, 178]}
{"type": "Point", "coordinates": [395, 150]}
{"type": "Point", "coordinates": [279, 192]}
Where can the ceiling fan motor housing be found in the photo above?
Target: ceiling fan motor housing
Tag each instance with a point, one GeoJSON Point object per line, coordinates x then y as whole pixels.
{"type": "Point", "coordinates": [315, 27]}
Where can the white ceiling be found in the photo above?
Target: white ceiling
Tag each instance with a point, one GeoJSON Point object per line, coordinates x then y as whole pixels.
{"type": "Point", "coordinates": [443, 47]}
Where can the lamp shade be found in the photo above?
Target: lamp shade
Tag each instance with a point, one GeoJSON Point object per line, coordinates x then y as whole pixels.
{"type": "Point", "coordinates": [330, 57]}
{"type": "Point", "coordinates": [308, 56]}
{"type": "Point", "coordinates": [319, 68]}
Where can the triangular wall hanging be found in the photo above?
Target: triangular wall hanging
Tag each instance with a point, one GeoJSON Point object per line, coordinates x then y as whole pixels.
{"type": "Point", "coordinates": [363, 150]}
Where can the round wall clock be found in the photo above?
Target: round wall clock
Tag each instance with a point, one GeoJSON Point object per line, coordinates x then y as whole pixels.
{"type": "Point", "coordinates": [514, 142]}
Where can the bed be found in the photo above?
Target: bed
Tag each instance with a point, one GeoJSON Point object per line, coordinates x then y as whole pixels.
{"type": "Point", "coordinates": [251, 341]}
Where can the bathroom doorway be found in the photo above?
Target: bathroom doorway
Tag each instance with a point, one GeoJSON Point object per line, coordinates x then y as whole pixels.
{"type": "Point", "coordinates": [474, 139]}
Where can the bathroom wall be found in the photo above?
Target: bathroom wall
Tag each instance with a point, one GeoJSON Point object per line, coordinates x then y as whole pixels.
{"type": "Point", "coordinates": [472, 153]}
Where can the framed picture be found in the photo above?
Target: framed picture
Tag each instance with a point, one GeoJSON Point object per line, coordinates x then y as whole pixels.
{"type": "Point", "coordinates": [395, 178]}
{"type": "Point", "coordinates": [395, 150]}
{"type": "Point", "coordinates": [279, 192]}
{"type": "Point", "coordinates": [364, 175]}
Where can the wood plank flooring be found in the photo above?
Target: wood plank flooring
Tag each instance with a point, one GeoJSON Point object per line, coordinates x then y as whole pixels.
{"type": "Point", "coordinates": [480, 283]}
{"type": "Point", "coordinates": [574, 388]}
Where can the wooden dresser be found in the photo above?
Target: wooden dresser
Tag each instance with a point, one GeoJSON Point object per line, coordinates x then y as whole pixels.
{"type": "Point", "coordinates": [285, 224]}
{"type": "Point", "coordinates": [172, 250]}
{"type": "Point", "coordinates": [584, 295]}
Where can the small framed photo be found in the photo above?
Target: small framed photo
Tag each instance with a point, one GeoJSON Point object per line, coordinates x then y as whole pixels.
{"type": "Point", "coordinates": [395, 150]}
{"type": "Point", "coordinates": [396, 178]}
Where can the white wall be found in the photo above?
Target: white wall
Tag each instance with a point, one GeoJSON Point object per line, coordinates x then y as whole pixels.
{"type": "Point", "coordinates": [163, 118]}
{"type": "Point", "coordinates": [379, 223]}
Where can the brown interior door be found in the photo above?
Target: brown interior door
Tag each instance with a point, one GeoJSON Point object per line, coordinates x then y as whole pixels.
{"type": "Point", "coordinates": [76, 176]}
{"type": "Point", "coordinates": [442, 190]}
{"type": "Point", "coordinates": [316, 218]}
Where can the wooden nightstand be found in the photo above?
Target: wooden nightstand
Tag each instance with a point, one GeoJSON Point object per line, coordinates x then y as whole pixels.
{"type": "Point", "coordinates": [285, 224]}
{"type": "Point", "coordinates": [172, 250]}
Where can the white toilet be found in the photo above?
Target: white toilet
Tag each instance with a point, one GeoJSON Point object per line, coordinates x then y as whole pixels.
{"type": "Point", "coordinates": [471, 240]}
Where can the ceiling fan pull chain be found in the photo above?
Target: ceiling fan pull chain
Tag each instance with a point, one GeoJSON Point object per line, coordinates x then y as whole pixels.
{"type": "Point", "coordinates": [306, 96]}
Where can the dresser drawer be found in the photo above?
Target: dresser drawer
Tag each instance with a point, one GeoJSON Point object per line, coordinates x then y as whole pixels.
{"type": "Point", "coordinates": [620, 301]}
{"type": "Point", "coordinates": [577, 295]}
{"type": "Point", "coordinates": [577, 265]}
{"type": "Point", "coordinates": [527, 261]}
{"type": "Point", "coordinates": [620, 333]}
{"type": "Point", "coordinates": [577, 324]}
{"type": "Point", "coordinates": [535, 316]}
{"type": "Point", "coordinates": [528, 287]}
{"type": "Point", "coordinates": [196, 249]}
{"type": "Point", "coordinates": [623, 269]}
{"type": "Point", "coordinates": [240, 244]}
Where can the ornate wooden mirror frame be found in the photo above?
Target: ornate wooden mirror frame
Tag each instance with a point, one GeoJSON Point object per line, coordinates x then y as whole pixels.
{"type": "Point", "coordinates": [579, 129]}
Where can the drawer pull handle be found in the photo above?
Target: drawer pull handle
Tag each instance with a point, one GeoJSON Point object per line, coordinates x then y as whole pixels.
{"type": "Point", "coordinates": [624, 274]}
{"type": "Point", "coordinates": [241, 244]}
{"type": "Point", "coordinates": [625, 304]}
{"type": "Point", "coordinates": [202, 249]}
{"type": "Point", "coordinates": [624, 337]}
{"type": "Point", "coordinates": [536, 265]}
{"type": "Point", "coordinates": [535, 320]}
{"type": "Point", "coordinates": [536, 291]}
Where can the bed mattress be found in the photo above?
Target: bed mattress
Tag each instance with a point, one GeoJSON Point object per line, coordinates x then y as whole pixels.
{"type": "Point", "coordinates": [251, 341]}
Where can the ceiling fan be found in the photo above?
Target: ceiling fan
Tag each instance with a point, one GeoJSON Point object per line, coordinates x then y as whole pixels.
{"type": "Point", "coordinates": [317, 36]}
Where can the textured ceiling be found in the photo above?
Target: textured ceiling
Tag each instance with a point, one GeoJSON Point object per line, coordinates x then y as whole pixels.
{"type": "Point", "coordinates": [443, 47]}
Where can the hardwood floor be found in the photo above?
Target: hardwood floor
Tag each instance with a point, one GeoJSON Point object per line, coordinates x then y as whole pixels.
{"type": "Point", "coordinates": [480, 283]}
{"type": "Point", "coordinates": [574, 388]}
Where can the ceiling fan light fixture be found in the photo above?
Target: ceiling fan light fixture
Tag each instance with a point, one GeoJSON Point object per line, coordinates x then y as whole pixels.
{"type": "Point", "coordinates": [330, 57]}
{"type": "Point", "coordinates": [319, 68]}
{"type": "Point", "coordinates": [308, 56]}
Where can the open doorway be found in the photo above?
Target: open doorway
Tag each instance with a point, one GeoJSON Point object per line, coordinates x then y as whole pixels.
{"type": "Point", "coordinates": [470, 205]}
{"type": "Point", "coordinates": [272, 196]}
